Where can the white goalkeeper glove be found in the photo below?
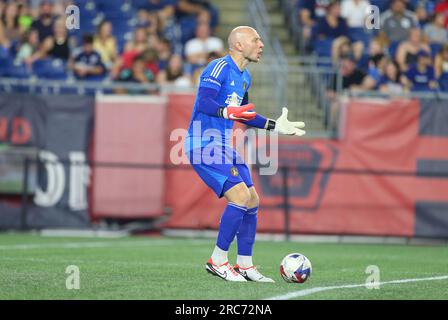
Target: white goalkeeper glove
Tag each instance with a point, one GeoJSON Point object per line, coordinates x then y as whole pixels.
{"type": "Point", "coordinates": [284, 126]}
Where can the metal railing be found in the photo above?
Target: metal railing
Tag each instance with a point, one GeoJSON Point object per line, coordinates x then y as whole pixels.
{"type": "Point", "coordinates": [305, 94]}
{"type": "Point", "coordinates": [272, 50]}
{"type": "Point", "coordinates": [45, 86]}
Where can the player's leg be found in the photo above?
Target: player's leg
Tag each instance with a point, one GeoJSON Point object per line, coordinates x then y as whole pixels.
{"type": "Point", "coordinates": [246, 240]}
{"type": "Point", "coordinates": [238, 196]}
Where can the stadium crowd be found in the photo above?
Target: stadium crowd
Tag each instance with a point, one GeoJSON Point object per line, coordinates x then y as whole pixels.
{"type": "Point", "coordinates": [407, 50]}
{"type": "Point", "coordinates": [142, 41]}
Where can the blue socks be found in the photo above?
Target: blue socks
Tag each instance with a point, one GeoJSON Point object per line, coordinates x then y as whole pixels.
{"type": "Point", "coordinates": [246, 233]}
{"type": "Point", "coordinates": [229, 225]}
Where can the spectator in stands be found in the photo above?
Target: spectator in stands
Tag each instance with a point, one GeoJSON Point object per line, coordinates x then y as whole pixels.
{"type": "Point", "coordinates": [198, 48]}
{"type": "Point", "coordinates": [441, 61]}
{"type": "Point", "coordinates": [376, 71]}
{"type": "Point", "coordinates": [27, 47]}
{"type": "Point", "coordinates": [309, 13]}
{"type": "Point", "coordinates": [138, 73]}
{"type": "Point", "coordinates": [421, 76]}
{"type": "Point", "coordinates": [397, 22]}
{"type": "Point", "coordinates": [355, 12]}
{"type": "Point", "coordinates": [334, 27]}
{"type": "Point", "coordinates": [105, 43]}
{"type": "Point", "coordinates": [423, 16]}
{"type": "Point", "coordinates": [163, 47]}
{"type": "Point", "coordinates": [56, 46]}
{"type": "Point", "coordinates": [139, 41]}
{"type": "Point", "coordinates": [44, 24]}
{"type": "Point", "coordinates": [352, 76]}
{"type": "Point", "coordinates": [87, 64]}
{"type": "Point", "coordinates": [151, 60]}
{"type": "Point", "coordinates": [25, 18]}
{"type": "Point", "coordinates": [197, 8]}
{"type": "Point", "coordinates": [408, 50]}
{"type": "Point", "coordinates": [149, 21]}
{"type": "Point", "coordinates": [10, 22]}
{"type": "Point", "coordinates": [390, 81]}
{"type": "Point", "coordinates": [442, 7]}
{"type": "Point", "coordinates": [174, 73]}
{"type": "Point", "coordinates": [197, 73]}
{"type": "Point", "coordinates": [435, 32]}
{"type": "Point", "coordinates": [344, 48]}
{"type": "Point", "coordinates": [160, 12]}
{"type": "Point", "coordinates": [5, 44]}
{"type": "Point", "coordinates": [132, 49]}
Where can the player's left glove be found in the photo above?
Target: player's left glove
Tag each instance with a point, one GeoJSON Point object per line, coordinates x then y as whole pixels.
{"type": "Point", "coordinates": [284, 126]}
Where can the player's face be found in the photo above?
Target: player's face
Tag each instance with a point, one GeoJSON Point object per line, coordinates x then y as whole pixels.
{"type": "Point", "coordinates": [253, 48]}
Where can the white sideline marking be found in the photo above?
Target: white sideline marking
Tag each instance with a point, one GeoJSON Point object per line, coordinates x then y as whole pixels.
{"type": "Point", "coordinates": [307, 292]}
{"type": "Point", "coordinates": [97, 244]}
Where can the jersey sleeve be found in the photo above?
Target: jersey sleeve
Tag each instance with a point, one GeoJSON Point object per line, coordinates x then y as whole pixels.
{"type": "Point", "coordinates": [214, 75]}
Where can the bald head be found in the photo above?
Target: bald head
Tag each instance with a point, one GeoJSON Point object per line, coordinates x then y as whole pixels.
{"type": "Point", "coordinates": [245, 45]}
{"type": "Point", "coordinates": [240, 34]}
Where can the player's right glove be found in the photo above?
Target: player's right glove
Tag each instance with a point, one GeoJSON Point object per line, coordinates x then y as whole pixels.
{"type": "Point", "coordinates": [284, 126]}
{"type": "Point", "coordinates": [242, 113]}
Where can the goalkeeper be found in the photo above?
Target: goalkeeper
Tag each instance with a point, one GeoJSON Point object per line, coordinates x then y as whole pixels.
{"type": "Point", "coordinates": [222, 99]}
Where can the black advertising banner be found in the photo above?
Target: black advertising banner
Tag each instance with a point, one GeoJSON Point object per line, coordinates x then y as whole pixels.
{"type": "Point", "coordinates": [60, 128]}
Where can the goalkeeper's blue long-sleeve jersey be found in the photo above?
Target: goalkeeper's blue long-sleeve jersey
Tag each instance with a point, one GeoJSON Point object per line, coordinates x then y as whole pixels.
{"type": "Point", "coordinates": [221, 84]}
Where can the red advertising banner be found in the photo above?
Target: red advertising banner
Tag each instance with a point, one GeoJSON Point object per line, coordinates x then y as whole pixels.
{"type": "Point", "coordinates": [371, 182]}
{"type": "Point", "coordinates": [128, 131]}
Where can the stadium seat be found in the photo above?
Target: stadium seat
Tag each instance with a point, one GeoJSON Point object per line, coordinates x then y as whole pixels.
{"type": "Point", "coordinates": [383, 5]}
{"type": "Point", "coordinates": [50, 69]}
{"type": "Point", "coordinates": [393, 47]}
{"type": "Point", "coordinates": [323, 47]}
{"type": "Point", "coordinates": [435, 48]}
{"type": "Point", "coordinates": [443, 82]}
{"type": "Point", "coordinates": [5, 63]}
{"type": "Point", "coordinates": [359, 34]}
{"type": "Point", "coordinates": [18, 71]}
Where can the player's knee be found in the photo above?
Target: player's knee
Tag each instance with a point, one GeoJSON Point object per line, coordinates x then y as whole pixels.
{"type": "Point", "coordinates": [254, 200]}
{"type": "Point", "coordinates": [239, 195]}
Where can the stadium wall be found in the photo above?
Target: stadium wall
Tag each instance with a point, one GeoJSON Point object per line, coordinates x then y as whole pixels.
{"type": "Point", "coordinates": [387, 175]}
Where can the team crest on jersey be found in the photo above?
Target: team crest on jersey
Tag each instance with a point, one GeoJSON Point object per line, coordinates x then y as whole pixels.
{"type": "Point", "coordinates": [234, 171]}
{"type": "Point", "coordinates": [233, 99]}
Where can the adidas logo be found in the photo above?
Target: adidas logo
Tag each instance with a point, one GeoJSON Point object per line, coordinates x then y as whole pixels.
{"type": "Point", "coordinates": [232, 83]}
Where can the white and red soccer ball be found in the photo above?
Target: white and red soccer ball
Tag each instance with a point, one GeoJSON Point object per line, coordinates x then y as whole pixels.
{"type": "Point", "coordinates": [295, 268]}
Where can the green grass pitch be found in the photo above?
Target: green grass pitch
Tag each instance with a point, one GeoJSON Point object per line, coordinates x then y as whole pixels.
{"type": "Point", "coordinates": [34, 267]}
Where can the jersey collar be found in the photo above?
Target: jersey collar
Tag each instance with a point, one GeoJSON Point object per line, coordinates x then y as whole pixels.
{"type": "Point", "coordinates": [233, 64]}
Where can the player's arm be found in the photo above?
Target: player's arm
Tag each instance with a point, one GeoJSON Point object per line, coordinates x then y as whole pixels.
{"type": "Point", "coordinates": [211, 81]}
{"type": "Point", "coordinates": [281, 125]}
{"type": "Point", "coordinates": [207, 104]}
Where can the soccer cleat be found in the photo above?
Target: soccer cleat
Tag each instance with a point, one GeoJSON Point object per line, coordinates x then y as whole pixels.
{"type": "Point", "coordinates": [224, 271]}
{"type": "Point", "coordinates": [252, 274]}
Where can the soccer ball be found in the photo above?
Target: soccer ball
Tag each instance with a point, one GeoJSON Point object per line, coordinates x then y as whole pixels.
{"type": "Point", "coordinates": [295, 268]}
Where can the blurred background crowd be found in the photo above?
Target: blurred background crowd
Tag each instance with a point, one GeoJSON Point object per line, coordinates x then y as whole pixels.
{"type": "Point", "coordinates": [145, 41]}
{"type": "Point", "coordinates": [170, 41]}
{"type": "Point", "coordinates": [406, 49]}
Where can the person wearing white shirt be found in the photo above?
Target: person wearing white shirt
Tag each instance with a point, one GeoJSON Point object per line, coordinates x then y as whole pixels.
{"type": "Point", "coordinates": [197, 49]}
{"type": "Point", "coordinates": [355, 12]}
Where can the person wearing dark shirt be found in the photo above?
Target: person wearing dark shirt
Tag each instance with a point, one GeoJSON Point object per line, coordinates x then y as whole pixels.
{"type": "Point", "coordinates": [44, 25]}
{"type": "Point", "coordinates": [308, 14]}
{"type": "Point", "coordinates": [420, 77]}
{"type": "Point", "coordinates": [332, 26]}
{"type": "Point", "coordinates": [335, 29]}
{"type": "Point", "coordinates": [352, 77]}
{"type": "Point", "coordinates": [87, 63]}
